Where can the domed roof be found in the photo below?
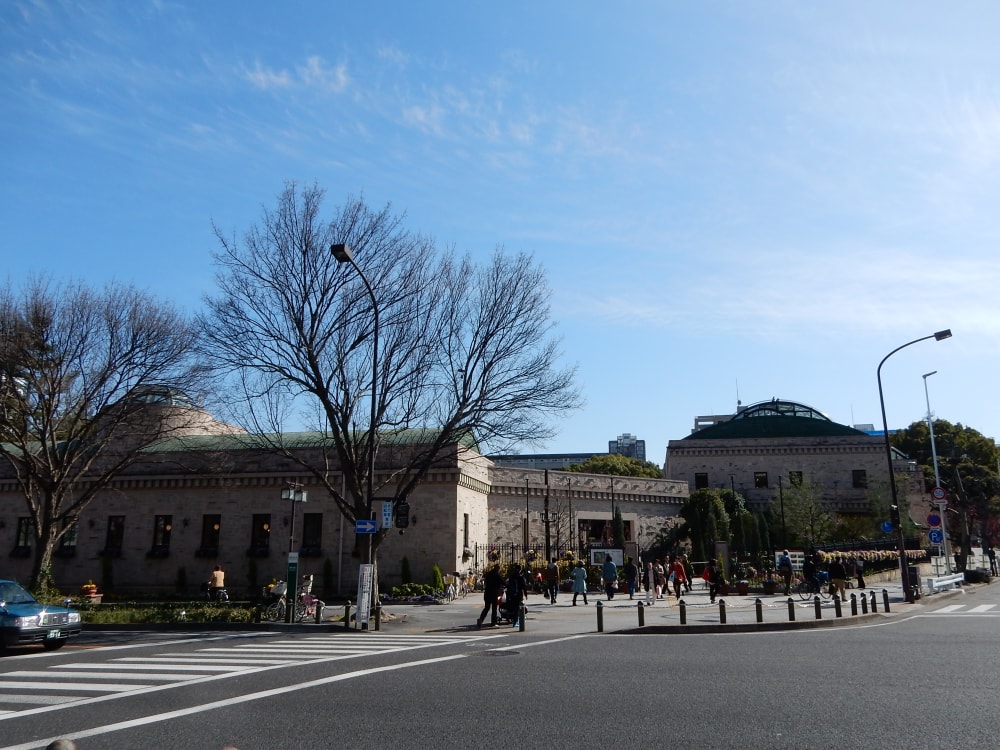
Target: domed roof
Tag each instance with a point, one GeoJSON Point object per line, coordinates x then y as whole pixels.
{"type": "Point", "coordinates": [775, 419]}
{"type": "Point", "coordinates": [161, 394]}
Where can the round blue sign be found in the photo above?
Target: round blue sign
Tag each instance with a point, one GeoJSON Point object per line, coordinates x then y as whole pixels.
{"type": "Point", "coordinates": [933, 520]}
{"type": "Point", "coordinates": [936, 536]}
{"type": "Point", "coordinates": [887, 526]}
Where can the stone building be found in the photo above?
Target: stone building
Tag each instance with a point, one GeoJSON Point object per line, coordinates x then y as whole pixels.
{"type": "Point", "coordinates": [774, 444]}
{"type": "Point", "coordinates": [213, 495]}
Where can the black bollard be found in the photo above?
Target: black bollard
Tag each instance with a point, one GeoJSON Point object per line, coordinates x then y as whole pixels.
{"type": "Point", "coordinates": [818, 607]}
{"type": "Point", "coordinates": [722, 611]}
{"type": "Point", "coordinates": [854, 605]}
{"type": "Point", "coordinates": [521, 617]}
{"type": "Point", "coordinates": [378, 615]}
{"type": "Point", "coordinates": [837, 611]}
{"type": "Point", "coordinates": [791, 610]}
{"type": "Point", "coordinates": [864, 604]}
{"type": "Point", "coordinates": [759, 606]}
{"type": "Point", "coordinates": [684, 611]}
{"type": "Point", "coordinates": [600, 617]}
{"type": "Point", "coordinates": [347, 615]}
{"type": "Point", "coordinates": [885, 599]}
{"type": "Point", "coordinates": [642, 615]}
{"type": "Point", "coordinates": [874, 604]}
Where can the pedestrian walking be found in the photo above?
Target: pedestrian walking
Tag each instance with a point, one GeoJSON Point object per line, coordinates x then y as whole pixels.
{"type": "Point", "coordinates": [579, 582]}
{"type": "Point", "coordinates": [517, 592]}
{"type": "Point", "coordinates": [688, 572]}
{"type": "Point", "coordinates": [678, 577]}
{"type": "Point", "coordinates": [785, 571]}
{"type": "Point", "coordinates": [661, 578]}
{"type": "Point", "coordinates": [649, 581]}
{"type": "Point", "coordinates": [609, 573]}
{"type": "Point", "coordinates": [859, 572]}
{"type": "Point", "coordinates": [714, 578]}
{"type": "Point", "coordinates": [631, 576]}
{"type": "Point", "coordinates": [838, 579]}
{"type": "Point", "coordinates": [493, 586]}
{"type": "Point", "coordinates": [552, 580]}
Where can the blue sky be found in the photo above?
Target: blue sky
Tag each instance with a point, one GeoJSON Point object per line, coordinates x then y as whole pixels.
{"type": "Point", "coordinates": [752, 199]}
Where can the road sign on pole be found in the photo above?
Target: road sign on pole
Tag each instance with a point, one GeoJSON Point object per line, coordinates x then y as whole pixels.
{"type": "Point", "coordinates": [365, 526]}
{"type": "Point", "coordinates": [938, 493]}
{"type": "Point", "coordinates": [935, 536]}
{"type": "Point", "coordinates": [934, 520]}
{"type": "Point", "coordinates": [387, 514]}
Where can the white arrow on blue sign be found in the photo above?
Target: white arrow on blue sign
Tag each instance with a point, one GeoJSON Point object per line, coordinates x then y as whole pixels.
{"type": "Point", "coordinates": [364, 526]}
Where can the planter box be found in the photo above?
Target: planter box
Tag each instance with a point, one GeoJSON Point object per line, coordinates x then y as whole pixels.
{"type": "Point", "coordinates": [770, 587]}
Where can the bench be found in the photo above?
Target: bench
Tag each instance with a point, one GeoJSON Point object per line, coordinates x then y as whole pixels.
{"type": "Point", "coordinates": [943, 583]}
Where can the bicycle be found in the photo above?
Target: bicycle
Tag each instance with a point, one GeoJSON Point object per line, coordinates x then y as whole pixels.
{"type": "Point", "coordinates": [305, 604]}
{"type": "Point", "coordinates": [818, 586]}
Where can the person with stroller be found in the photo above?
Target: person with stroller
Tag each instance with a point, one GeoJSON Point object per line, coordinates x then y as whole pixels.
{"type": "Point", "coordinates": [493, 586]}
{"type": "Point", "coordinates": [517, 592]}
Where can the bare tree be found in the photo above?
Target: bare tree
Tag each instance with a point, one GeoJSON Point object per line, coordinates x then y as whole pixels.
{"type": "Point", "coordinates": [79, 369]}
{"type": "Point", "coordinates": [466, 354]}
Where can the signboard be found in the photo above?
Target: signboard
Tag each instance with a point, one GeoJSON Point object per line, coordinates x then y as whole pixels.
{"type": "Point", "coordinates": [365, 577]}
{"type": "Point", "coordinates": [387, 514]}
{"type": "Point", "coordinates": [598, 556]}
{"type": "Point", "coordinates": [292, 584]}
{"type": "Point", "coordinates": [887, 526]}
{"type": "Point", "coordinates": [364, 526]}
{"type": "Point", "coordinates": [938, 493]}
{"type": "Point", "coordinates": [933, 520]}
{"type": "Point", "coordinates": [936, 536]}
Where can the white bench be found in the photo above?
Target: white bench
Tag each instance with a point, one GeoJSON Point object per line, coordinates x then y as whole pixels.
{"type": "Point", "coordinates": [942, 583]}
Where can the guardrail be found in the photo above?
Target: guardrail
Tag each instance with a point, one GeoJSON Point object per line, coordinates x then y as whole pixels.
{"type": "Point", "coordinates": [943, 583]}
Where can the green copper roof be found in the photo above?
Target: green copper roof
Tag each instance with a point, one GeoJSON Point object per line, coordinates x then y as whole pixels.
{"type": "Point", "coordinates": [776, 419]}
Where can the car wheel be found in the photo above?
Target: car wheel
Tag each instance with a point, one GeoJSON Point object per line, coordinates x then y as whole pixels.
{"type": "Point", "coordinates": [51, 644]}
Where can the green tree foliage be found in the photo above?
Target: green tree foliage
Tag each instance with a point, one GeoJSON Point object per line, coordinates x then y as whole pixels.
{"type": "Point", "coordinates": [967, 467]}
{"type": "Point", "coordinates": [617, 465]}
{"type": "Point", "coordinates": [806, 519]}
{"type": "Point", "coordinates": [705, 522]}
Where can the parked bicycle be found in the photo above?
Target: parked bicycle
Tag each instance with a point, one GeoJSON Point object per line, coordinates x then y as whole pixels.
{"type": "Point", "coordinates": [818, 586]}
{"type": "Point", "coordinates": [458, 585]}
{"type": "Point", "coordinates": [305, 602]}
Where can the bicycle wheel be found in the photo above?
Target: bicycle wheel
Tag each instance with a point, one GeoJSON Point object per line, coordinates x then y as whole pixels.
{"type": "Point", "coordinates": [300, 612]}
{"type": "Point", "coordinates": [274, 612]}
{"type": "Point", "coordinates": [463, 589]}
{"type": "Point", "coordinates": [805, 590]}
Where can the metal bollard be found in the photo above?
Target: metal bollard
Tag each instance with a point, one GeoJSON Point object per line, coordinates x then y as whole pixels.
{"type": "Point", "coordinates": [521, 612]}
{"type": "Point", "coordinates": [864, 604]}
{"type": "Point", "coordinates": [791, 610]}
{"type": "Point", "coordinates": [684, 611]}
{"type": "Point", "coordinates": [642, 615]}
{"type": "Point", "coordinates": [722, 611]}
{"type": "Point", "coordinates": [256, 613]}
{"type": "Point", "coordinates": [378, 616]}
{"type": "Point", "coordinates": [347, 615]}
{"type": "Point", "coordinates": [874, 604]}
{"type": "Point", "coordinates": [600, 617]}
{"type": "Point", "coordinates": [759, 606]}
{"type": "Point", "coordinates": [319, 611]}
{"type": "Point", "coordinates": [854, 605]}
{"type": "Point", "coordinates": [837, 610]}
{"type": "Point", "coordinates": [885, 599]}
{"type": "Point", "coordinates": [818, 607]}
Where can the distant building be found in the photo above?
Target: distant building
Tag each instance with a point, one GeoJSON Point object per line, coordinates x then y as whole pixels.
{"type": "Point", "coordinates": [554, 461]}
{"type": "Point", "coordinates": [629, 446]}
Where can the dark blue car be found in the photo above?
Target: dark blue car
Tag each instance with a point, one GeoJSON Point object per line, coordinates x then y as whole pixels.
{"type": "Point", "coordinates": [23, 619]}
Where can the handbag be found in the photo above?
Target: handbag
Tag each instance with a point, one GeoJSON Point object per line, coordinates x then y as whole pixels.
{"type": "Point", "coordinates": [614, 585]}
{"type": "Point", "coordinates": [671, 578]}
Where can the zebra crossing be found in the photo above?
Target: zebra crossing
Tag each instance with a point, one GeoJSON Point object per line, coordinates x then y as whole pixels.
{"type": "Point", "coordinates": [963, 609]}
{"type": "Point", "coordinates": [33, 690]}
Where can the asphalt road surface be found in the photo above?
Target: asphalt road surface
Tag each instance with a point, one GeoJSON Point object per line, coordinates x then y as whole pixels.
{"type": "Point", "coordinates": [923, 677]}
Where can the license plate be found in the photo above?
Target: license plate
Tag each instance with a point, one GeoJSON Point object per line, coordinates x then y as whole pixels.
{"type": "Point", "coordinates": [54, 633]}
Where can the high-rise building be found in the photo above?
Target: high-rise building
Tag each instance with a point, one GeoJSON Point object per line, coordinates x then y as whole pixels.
{"type": "Point", "coordinates": [629, 446]}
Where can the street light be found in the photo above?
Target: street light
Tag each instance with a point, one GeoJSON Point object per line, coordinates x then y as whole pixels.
{"type": "Point", "coordinates": [294, 493]}
{"type": "Point", "coordinates": [937, 478]}
{"type": "Point", "coordinates": [343, 254]}
{"type": "Point", "coordinates": [894, 506]}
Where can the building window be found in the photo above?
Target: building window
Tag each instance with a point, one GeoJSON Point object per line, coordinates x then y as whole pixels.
{"type": "Point", "coordinates": [210, 526]}
{"type": "Point", "coordinates": [67, 542]}
{"type": "Point", "coordinates": [312, 535]}
{"type": "Point", "coordinates": [114, 537]}
{"type": "Point", "coordinates": [760, 480]}
{"type": "Point", "coordinates": [465, 531]}
{"type": "Point", "coordinates": [859, 479]}
{"type": "Point", "coordinates": [795, 478]}
{"type": "Point", "coordinates": [162, 526]}
{"type": "Point", "coordinates": [260, 535]}
{"type": "Point", "coordinates": [701, 481]}
{"type": "Point", "coordinates": [25, 537]}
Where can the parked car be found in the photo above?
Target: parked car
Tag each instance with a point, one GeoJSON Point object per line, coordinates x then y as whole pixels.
{"type": "Point", "coordinates": [23, 619]}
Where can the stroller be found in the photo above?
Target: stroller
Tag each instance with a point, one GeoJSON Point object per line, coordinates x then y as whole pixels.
{"type": "Point", "coordinates": [506, 610]}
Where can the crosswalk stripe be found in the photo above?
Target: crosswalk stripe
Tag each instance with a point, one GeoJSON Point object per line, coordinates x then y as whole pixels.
{"type": "Point", "coordinates": [110, 687]}
{"type": "Point", "coordinates": [982, 608]}
{"type": "Point", "coordinates": [54, 673]}
{"type": "Point", "coordinates": [950, 608]}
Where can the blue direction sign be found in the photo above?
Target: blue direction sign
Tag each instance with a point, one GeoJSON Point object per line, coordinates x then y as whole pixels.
{"type": "Point", "coordinates": [887, 526]}
{"type": "Point", "coordinates": [364, 526]}
{"type": "Point", "coordinates": [936, 536]}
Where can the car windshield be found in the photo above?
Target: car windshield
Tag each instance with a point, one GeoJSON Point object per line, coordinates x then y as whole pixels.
{"type": "Point", "coordinates": [14, 593]}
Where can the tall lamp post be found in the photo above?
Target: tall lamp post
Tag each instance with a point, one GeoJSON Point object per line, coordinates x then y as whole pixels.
{"type": "Point", "coordinates": [894, 506]}
{"type": "Point", "coordinates": [295, 494]}
{"type": "Point", "coordinates": [343, 254]}
{"type": "Point", "coordinates": [937, 477]}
